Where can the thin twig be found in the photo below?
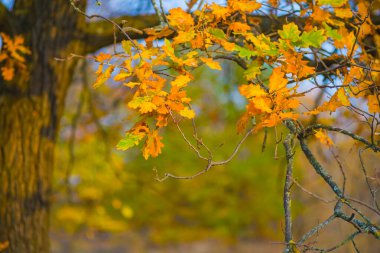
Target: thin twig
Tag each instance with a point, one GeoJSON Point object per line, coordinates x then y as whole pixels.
{"type": "Point", "coordinates": [316, 229]}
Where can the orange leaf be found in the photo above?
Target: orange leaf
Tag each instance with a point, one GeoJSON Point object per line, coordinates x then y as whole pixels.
{"type": "Point", "coordinates": [152, 145]}
{"type": "Point", "coordinates": [219, 12]}
{"type": "Point", "coordinates": [8, 73]}
{"type": "Point", "coordinates": [373, 103]}
{"type": "Point", "coordinates": [180, 19]}
{"type": "Point", "coordinates": [242, 123]}
{"type": "Point", "coordinates": [162, 121]}
{"type": "Point", "coordinates": [102, 57]}
{"type": "Point", "coordinates": [212, 64]}
{"type": "Point", "coordinates": [239, 27]}
{"type": "Point", "coordinates": [277, 81]}
{"type": "Point", "coordinates": [323, 138]}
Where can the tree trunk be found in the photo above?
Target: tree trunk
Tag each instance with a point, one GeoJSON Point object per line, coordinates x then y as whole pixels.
{"type": "Point", "coordinates": [30, 110]}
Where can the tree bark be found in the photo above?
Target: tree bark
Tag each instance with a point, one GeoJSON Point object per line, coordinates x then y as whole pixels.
{"type": "Point", "coordinates": [30, 110]}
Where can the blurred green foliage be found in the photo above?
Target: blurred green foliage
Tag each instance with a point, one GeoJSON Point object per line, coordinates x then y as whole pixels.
{"type": "Point", "coordinates": [116, 191]}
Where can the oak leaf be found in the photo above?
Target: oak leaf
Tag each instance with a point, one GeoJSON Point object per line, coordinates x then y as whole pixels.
{"type": "Point", "coordinates": [152, 145]}
{"type": "Point", "coordinates": [211, 63]}
{"type": "Point", "coordinates": [187, 113]}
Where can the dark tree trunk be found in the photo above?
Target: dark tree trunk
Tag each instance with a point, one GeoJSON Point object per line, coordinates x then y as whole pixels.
{"type": "Point", "coordinates": [30, 110]}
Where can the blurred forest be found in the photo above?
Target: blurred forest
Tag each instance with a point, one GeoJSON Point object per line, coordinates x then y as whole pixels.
{"type": "Point", "coordinates": [105, 200]}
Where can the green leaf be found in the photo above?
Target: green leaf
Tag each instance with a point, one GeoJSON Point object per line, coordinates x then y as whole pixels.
{"type": "Point", "coordinates": [127, 46]}
{"type": "Point", "coordinates": [252, 71]}
{"type": "Point", "coordinates": [290, 32]}
{"type": "Point", "coordinates": [217, 33]}
{"type": "Point", "coordinates": [313, 38]}
{"type": "Point", "coordinates": [128, 142]}
{"type": "Point", "coordinates": [334, 3]}
{"type": "Point", "coordinates": [144, 104]}
{"type": "Point", "coordinates": [332, 33]}
{"type": "Point", "coordinates": [169, 46]}
{"type": "Point", "coordinates": [244, 52]}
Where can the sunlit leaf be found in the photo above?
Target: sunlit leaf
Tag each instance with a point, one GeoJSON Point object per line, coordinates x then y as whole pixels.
{"type": "Point", "coordinates": [211, 63]}
{"type": "Point", "coordinates": [290, 32]}
{"type": "Point", "coordinates": [187, 113]}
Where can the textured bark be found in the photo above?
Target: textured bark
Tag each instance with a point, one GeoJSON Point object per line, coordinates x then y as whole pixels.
{"type": "Point", "coordinates": [30, 109]}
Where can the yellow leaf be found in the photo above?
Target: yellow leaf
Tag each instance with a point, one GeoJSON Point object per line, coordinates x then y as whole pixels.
{"type": "Point", "coordinates": [184, 36]}
{"type": "Point", "coordinates": [121, 76]}
{"type": "Point", "coordinates": [181, 81]}
{"type": "Point", "coordinates": [127, 46]}
{"type": "Point", "coordinates": [343, 98]}
{"type": "Point", "coordinates": [144, 104]}
{"type": "Point", "coordinates": [187, 113]}
{"type": "Point", "coordinates": [219, 12]}
{"type": "Point", "coordinates": [334, 103]}
{"type": "Point", "coordinates": [250, 90]}
{"type": "Point", "coordinates": [263, 104]}
{"type": "Point", "coordinates": [343, 12]}
{"type": "Point", "coordinates": [212, 64]}
{"type": "Point", "coordinates": [103, 77]}
{"type": "Point", "coordinates": [229, 46]}
{"type": "Point", "coordinates": [147, 107]}
{"type": "Point", "coordinates": [323, 138]}
{"type": "Point", "coordinates": [132, 84]}
{"type": "Point", "coordinates": [244, 6]}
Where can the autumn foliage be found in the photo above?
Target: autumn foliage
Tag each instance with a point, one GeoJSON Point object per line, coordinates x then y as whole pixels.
{"type": "Point", "coordinates": [12, 56]}
{"type": "Point", "coordinates": [159, 71]}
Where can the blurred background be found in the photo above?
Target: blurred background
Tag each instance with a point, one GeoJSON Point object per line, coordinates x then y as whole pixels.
{"type": "Point", "coordinates": [110, 201]}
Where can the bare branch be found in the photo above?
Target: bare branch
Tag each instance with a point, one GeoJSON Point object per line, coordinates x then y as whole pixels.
{"type": "Point", "coordinates": [158, 12]}
{"type": "Point", "coordinates": [316, 229]}
{"type": "Point", "coordinates": [319, 169]}
{"type": "Point", "coordinates": [372, 191]}
{"type": "Point", "coordinates": [312, 194]}
{"type": "Point", "coordinates": [288, 145]}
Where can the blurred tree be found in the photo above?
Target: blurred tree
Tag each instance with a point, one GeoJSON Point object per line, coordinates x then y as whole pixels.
{"type": "Point", "coordinates": [31, 106]}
